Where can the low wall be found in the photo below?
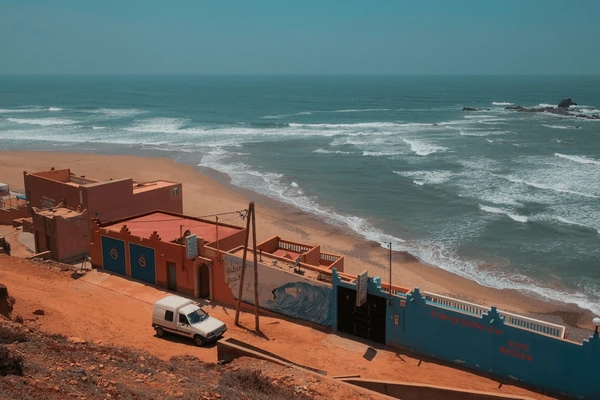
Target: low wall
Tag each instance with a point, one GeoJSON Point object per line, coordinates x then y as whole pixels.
{"type": "Point", "coordinates": [7, 215]}
{"type": "Point", "coordinates": [411, 391]}
{"type": "Point", "coordinates": [485, 343]}
{"type": "Point", "coordinates": [279, 291]}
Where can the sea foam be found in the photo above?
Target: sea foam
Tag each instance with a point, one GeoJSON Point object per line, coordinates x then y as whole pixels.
{"type": "Point", "coordinates": [43, 121]}
{"type": "Point", "coordinates": [423, 148]}
{"type": "Point", "coordinates": [578, 159]}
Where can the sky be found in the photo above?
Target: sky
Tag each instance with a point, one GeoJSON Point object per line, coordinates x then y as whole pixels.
{"type": "Point", "coordinates": [429, 37]}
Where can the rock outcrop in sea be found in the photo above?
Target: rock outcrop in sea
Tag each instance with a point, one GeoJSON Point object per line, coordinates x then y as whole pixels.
{"type": "Point", "coordinates": [563, 108]}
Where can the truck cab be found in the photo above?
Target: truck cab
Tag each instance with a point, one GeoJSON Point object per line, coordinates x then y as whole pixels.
{"type": "Point", "coordinates": [181, 316]}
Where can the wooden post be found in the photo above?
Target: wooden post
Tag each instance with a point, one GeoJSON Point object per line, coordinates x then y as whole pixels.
{"type": "Point", "coordinates": [390, 272]}
{"type": "Point", "coordinates": [250, 216]}
{"type": "Point", "coordinates": [243, 270]}
{"type": "Point", "coordinates": [256, 323]}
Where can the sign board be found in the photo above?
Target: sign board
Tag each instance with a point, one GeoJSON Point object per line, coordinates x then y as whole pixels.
{"type": "Point", "coordinates": [191, 246]}
{"type": "Point", "coordinates": [361, 288]}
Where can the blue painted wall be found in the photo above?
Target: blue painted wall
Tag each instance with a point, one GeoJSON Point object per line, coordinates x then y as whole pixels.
{"type": "Point", "coordinates": [488, 345]}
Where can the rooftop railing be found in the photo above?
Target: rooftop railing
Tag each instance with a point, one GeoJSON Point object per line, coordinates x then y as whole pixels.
{"type": "Point", "coordinates": [517, 321]}
{"type": "Point", "coordinates": [293, 247]}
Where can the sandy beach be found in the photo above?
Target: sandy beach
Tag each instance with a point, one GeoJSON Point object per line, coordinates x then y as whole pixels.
{"type": "Point", "coordinates": [206, 193]}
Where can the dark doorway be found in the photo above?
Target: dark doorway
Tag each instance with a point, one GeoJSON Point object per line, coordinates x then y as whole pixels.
{"type": "Point", "coordinates": [366, 321]}
{"type": "Point", "coordinates": [171, 276]}
{"type": "Point", "coordinates": [203, 281]}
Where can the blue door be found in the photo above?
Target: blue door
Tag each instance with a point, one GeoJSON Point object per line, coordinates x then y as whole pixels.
{"type": "Point", "coordinates": [143, 266]}
{"type": "Point", "coordinates": [113, 255]}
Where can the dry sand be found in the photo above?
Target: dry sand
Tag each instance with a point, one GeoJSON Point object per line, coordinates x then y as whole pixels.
{"type": "Point", "coordinates": [205, 195]}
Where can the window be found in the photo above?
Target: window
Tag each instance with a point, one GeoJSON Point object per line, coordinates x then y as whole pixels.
{"type": "Point", "coordinates": [175, 191]}
{"type": "Point", "coordinates": [169, 316]}
{"type": "Point", "coordinates": [183, 319]}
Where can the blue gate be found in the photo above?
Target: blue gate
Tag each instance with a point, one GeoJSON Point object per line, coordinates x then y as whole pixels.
{"type": "Point", "coordinates": [143, 266]}
{"type": "Point", "coordinates": [113, 255]}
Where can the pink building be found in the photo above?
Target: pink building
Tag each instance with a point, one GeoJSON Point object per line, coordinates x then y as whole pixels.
{"type": "Point", "coordinates": [67, 233]}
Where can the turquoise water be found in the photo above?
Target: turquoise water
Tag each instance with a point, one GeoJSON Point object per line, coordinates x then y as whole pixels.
{"type": "Point", "coordinates": [508, 199]}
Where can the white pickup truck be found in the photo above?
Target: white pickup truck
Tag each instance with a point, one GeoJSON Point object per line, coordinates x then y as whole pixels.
{"type": "Point", "coordinates": [175, 314]}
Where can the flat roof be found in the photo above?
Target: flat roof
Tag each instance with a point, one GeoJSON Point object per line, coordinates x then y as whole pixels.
{"type": "Point", "coordinates": [271, 261]}
{"type": "Point", "coordinates": [61, 211]}
{"type": "Point", "coordinates": [171, 227]}
{"type": "Point", "coordinates": [139, 187]}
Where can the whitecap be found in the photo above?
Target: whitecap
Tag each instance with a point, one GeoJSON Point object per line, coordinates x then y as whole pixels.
{"type": "Point", "coordinates": [569, 222]}
{"type": "Point", "coordinates": [434, 177]}
{"type": "Point", "coordinates": [578, 159]}
{"type": "Point", "coordinates": [509, 213]}
{"type": "Point", "coordinates": [560, 126]}
{"type": "Point", "coordinates": [361, 110]}
{"type": "Point", "coordinates": [502, 103]}
{"type": "Point", "coordinates": [158, 125]}
{"type": "Point", "coordinates": [372, 125]}
{"type": "Point", "coordinates": [43, 121]}
{"type": "Point", "coordinates": [323, 151]}
{"type": "Point", "coordinates": [551, 188]}
{"type": "Point", "coordinates": [118, 112]}
{"type": "Point", "coordinates": [383, 153]}
{"type": "Point", "coordinates": [423, 148]}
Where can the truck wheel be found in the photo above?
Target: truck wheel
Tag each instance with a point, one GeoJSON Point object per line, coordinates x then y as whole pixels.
{"type": "Point", "coordinates": [199, 340]}
{"type": "Point", "coordinates": [160, 332]}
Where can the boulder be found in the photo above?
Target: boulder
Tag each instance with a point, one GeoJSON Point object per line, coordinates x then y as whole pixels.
{"type": "Point", "coordinates": [566, 103]}
{"type": "Point", "coordinates": [6, 302]}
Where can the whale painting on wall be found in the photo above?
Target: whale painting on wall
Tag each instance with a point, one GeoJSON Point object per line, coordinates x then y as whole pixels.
{"type": "Point", "coordinates": [282, 292]}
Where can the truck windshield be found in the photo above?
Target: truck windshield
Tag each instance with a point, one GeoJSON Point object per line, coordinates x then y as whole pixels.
{"type": "Point", "coordinates": [197, 316]}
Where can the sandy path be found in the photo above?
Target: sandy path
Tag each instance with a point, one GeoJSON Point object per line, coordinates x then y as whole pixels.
{"type": "Point", "coordinates": [107, 309]}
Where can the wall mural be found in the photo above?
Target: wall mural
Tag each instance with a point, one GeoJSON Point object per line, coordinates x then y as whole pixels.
{"type": "Point", "coordinates": [281, 291]}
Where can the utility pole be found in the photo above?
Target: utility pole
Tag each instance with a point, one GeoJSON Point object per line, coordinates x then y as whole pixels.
{"type": "Point", "coordinates": [390, 245]}
{"type": "Point", "coordinates": [250, 215]}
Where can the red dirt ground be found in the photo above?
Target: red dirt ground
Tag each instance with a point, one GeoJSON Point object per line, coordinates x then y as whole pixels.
{"type": "Point", "coordinates": [113, 311]}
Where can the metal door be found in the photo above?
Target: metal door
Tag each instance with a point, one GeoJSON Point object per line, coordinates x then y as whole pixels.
{"type": "Point", "coordinates": [366, 321]}
{"type": "Point", "coordinates": [113, 255]}
{"type": "Point", "coordinates": [141, 260]}
{"type": "Point", "coordinates": [171, 276]}
{"type": "Point", "coordinates": [203, 281]}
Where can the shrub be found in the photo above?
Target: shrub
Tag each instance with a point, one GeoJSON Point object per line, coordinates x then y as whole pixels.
{"type": "Point", "coordinates": [10, 362]}
{"type": "Point", "coordinates": [251, 384]}
{"type": "Point", "coordinates": [11, 335]}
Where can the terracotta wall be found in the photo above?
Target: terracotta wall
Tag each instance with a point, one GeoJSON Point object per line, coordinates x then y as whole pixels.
{"type": "Point", "coordinates": [186, 269]}
{"type": "Point", "coordinates": [48, 230]}
{"type": "Point", "coordinates": [111, 200]}
{"type": "Point", "coordinates": [78, 230]}
{"type": "Point", "coordinates": [227, 243]}
{"type": "Point", "coordinates": [7, 215]}
{"type": "Point", "coordinates": [164, 198]}
{"type": "Point", "coordinates": [45, 193]}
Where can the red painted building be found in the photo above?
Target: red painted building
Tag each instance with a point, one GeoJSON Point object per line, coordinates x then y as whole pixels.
{"type": "Point", "coordinates": [169, 250]}
{"type": "Point", "coordinates": [67, 233]}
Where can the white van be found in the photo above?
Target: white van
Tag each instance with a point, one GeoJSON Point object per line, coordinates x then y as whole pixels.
{"type": "Point", "coordinates": [184, 317]}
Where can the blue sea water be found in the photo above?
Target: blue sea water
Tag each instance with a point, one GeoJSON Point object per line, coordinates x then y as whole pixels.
{"type": "Point", "coordinates": [510, 200]}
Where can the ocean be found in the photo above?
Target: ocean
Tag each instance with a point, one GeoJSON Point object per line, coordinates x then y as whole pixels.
{"type": "Point", "coordinates": [507, 199]}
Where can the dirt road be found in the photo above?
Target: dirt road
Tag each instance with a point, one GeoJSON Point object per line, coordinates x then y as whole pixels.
{"type": "Point", "coordinates": [101, 308]}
